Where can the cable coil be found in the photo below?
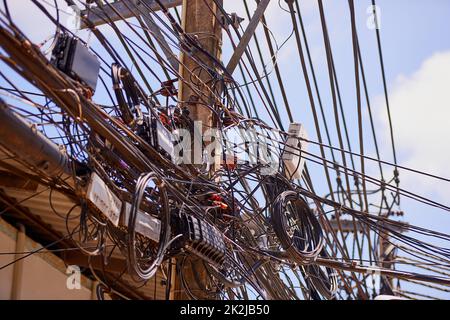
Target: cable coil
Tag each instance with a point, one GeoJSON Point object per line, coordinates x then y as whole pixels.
{"type": "Point", "coordinates": [297, 228]}
{"type": "Point", "coordinates": [140, 261]}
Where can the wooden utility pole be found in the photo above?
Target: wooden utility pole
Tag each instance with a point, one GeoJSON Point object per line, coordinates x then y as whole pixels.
{"type": "Point", "coordinates": [200, 19]}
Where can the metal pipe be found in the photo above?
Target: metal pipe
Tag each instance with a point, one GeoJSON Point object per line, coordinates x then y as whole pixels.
{"type": "Point", "coordinates": [29, 144]}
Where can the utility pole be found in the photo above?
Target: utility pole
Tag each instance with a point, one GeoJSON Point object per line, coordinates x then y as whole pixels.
{"type": "Point", "coordinates": [200, 19]}
{"type": "Point", "coordinates": [387, 255]}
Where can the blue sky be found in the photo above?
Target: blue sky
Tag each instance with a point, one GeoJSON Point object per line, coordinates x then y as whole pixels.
{"type": "Point", "coordinates": [416, 49]}
{"type": "Point", "coordinates": [413, 33]}
{"type": "Point", "coordinates": [417, 61]}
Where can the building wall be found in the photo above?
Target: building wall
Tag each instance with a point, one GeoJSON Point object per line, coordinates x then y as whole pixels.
{"type": "Point", "coordinates": [7, 244]}
{"type": "Point", "coordinates": [43, 275]}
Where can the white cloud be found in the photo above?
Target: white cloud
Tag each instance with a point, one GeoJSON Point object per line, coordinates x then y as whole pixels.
{"type": "Point", "coordinates": [420, 106]}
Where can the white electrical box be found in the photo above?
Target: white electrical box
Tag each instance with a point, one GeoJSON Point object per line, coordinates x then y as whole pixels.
{"type": "Point", "coordinates": [146, 225]}
{"type": "Point", "coordinates": [104, 199]}
{"type": "Point", "coordinates": [292, 153]}
{"type": "Point", "coordinates": [99, 194]}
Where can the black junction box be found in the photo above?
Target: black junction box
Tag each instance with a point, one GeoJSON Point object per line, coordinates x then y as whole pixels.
{"type": "Point", "coordinates": [73, 58]}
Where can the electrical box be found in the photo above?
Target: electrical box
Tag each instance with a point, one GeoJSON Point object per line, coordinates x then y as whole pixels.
{"type": "Point", "coordinates": [73, 58]}
{"type": "Point", "coordinates": [201, 238]}
{"type": "Point", "coordinates": [104, 199]}
{"type": "Point", "coordinates": [293, 159]}
{"type": "Point", "coordinates": [146, 225]}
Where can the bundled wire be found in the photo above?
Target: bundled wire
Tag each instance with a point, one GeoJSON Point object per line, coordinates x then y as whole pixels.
{"type": "Point", "coordinates": [141, 260]}
{"type": "Point", "coordinates": [297, 228]}
{"type": "Point", "coordinates": [277, 241]}
{"type": "Point", "coordinates": [324, 279]}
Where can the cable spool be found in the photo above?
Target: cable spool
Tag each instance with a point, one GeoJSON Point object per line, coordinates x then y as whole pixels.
{"type": "Point", "coordinates": [142, 258]}
{"type": "Point", "coordinates": [129, 105]}
{"type": "Point", "coordinates": [323, 279]}
{"type": "Point", "coordinates": [296, 227]}
{"type": "Point", "coordinates": [228, 275]}
{"type": "Point", "coordinates": [198, 289]}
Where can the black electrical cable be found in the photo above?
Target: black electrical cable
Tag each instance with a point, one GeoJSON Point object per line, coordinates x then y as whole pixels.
{"type": "Point", "coordinates": [146, 266]}
{"type": "Point", "coordinates": [299, 232]}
